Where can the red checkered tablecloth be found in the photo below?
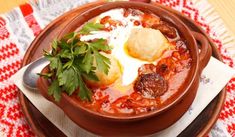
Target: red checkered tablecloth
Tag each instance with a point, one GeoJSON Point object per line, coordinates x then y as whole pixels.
{"type": "Point", "coordinates": [20, 26]}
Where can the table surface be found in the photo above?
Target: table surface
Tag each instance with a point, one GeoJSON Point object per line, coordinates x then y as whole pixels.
{"type": "Point", "coordinates": [225, 9]}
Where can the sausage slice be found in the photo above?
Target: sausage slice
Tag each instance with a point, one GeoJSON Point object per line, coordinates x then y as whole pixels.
{"type": "Point", "coordinates": [165, 29]}
{"type": "Point", "coordinates": [151, 85]}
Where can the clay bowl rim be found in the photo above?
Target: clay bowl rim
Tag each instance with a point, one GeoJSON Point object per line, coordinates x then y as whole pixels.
{"type": "Point", "coordinates": [147, 7]}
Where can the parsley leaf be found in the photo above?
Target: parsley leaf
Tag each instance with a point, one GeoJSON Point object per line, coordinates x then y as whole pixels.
{"type": "Point", "coordinates": [72, 60]}
{"type": "Point", "coordinates": [54, 44]}
{"type": "Point", "coordinates": [87, 61]}
{"type": "Point", "coordinates": [55, 64]}
{"type": "Point", "coordinates": [69, 36]}
{"type": "Point", "coordinates": [45, 75]}
{"type": "Point", "coordinates": [69, 80]}
{"type": "Point", "coordinates": [84, 92]}
{"type": "Point", "coordinates": [91, 75]}
{"type": "Point", "coordinates": [90, 27]}
{"type": "Point", "coordinates": [100, 44]}
{"type": "Point", "coordinates": [63, 44]}
{"type": "Point", "coordinates": [55, 90]}
{"type": "Point", "coordinates": [65, 54]}
{"type": "Point", "coordinates": [102, 62]}
{"type": "Point", "coordinates": [80, 50]}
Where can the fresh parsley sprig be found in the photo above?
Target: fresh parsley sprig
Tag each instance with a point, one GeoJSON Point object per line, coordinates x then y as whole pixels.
{"type": "Point", "coordinates": [71, 60]}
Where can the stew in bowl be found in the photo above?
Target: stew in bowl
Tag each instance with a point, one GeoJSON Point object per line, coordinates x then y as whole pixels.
{"type": "Point", "coordinates": [123, 62]}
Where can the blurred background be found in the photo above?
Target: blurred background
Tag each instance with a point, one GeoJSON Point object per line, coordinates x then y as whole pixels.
{"type": "Point", "coordinates": [225, 9]}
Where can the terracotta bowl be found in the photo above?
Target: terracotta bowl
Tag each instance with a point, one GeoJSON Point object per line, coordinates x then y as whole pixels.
{"type": "Point", "coordinates": [148, 123]}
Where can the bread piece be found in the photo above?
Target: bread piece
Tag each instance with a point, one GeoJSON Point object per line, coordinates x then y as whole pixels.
{"type": "Point", "coordinates": [146, 44]}
{"type": "Point", "coordinates": [113, 74]}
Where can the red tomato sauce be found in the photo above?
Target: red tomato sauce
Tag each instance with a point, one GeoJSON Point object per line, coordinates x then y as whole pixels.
{"type": "Point", "coordinates": [173, 66]}
{"type": "Point", "coordinates": [111, 101]}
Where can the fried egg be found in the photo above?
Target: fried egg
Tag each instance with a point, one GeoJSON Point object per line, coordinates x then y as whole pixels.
{"type": "Point", "coordinates": [118, 37]}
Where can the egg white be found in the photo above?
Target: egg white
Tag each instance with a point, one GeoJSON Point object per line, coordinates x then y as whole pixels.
{"type": "Point", "coordinates": [117, 39]}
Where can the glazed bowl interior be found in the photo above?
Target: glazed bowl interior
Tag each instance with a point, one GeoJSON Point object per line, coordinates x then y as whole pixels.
{"type": "Point", "coordinates": [184, 32]}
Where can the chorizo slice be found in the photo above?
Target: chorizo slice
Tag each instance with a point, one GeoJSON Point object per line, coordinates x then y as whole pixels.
{"type": "Point", "coordinates": [151, 85]}
{"type": "Point", "coordinates": [166, 29]}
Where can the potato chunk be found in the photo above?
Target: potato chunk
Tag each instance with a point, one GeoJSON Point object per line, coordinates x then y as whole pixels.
{"type": "Point", "coordinates": [113, 75]}
{"type": "Point", "coordinates": [146, 44]}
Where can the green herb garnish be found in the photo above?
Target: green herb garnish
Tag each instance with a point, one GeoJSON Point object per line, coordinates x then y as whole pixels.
{"type": "Point", "coordinates": [71, 60]}
{"type": "Point", "coordinates": [91, 27]}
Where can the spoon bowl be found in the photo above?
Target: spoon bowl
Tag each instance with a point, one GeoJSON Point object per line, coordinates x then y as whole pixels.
{"type": "Point", "coordinates": [31, 73]}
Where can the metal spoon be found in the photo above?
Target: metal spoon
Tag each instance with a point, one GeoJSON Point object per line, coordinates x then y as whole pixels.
{"type": "Point", "coordinates": [30, 75]}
